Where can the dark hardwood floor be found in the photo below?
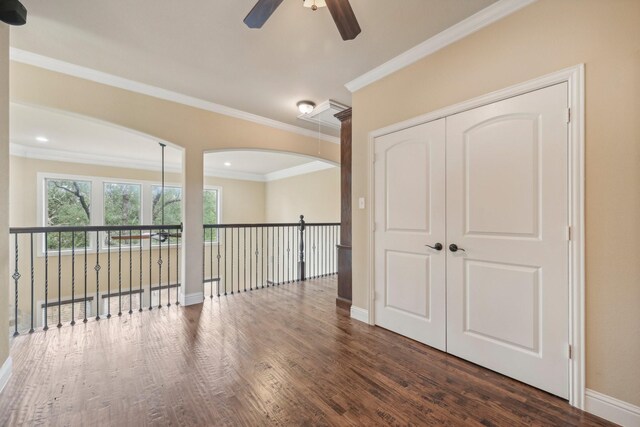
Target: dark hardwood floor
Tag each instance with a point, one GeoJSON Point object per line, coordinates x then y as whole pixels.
{"type": "Point", "coordinates": [277, 356]}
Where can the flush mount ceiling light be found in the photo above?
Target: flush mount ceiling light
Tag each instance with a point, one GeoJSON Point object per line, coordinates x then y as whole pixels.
{"type": "Point", "coordinates": [314, 4]}
{"type": "Point", "coordinates": [42, 139]}
{"type": "Point", "coordinates": [227, 164]}
{"type": "Point", "coordinates": [12, 12]}
{"type": "Point", "coordinates": [305, 107]}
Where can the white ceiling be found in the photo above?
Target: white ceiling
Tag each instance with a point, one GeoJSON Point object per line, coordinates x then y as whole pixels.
{"type": "Point", "coordinates": [77, 139]}
{"type": "Point", "coordinates": [204, 50]}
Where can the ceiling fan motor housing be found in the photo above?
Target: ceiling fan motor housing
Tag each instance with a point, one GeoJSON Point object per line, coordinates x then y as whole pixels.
{"type": "Point", "coordinates": [13, 12]}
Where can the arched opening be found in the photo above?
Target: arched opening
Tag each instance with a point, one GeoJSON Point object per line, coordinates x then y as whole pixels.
{"type": "Point", "coordinates": [97, 190]}
{"type": "Point", "coordinates": [253, 203]}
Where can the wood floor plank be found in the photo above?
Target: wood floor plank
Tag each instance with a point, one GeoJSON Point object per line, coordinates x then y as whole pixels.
{"type": "Point", "coordinates": [283, 356]}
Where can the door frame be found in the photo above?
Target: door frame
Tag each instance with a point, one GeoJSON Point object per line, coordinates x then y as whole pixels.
{"type": "Point", "coordinates": [574, 77]}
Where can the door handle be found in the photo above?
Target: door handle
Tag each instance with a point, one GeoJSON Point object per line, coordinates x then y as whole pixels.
{"type": "Point", "coordinates": [454, 248]}
{"type": "Point", "coordinates": [437, 246]}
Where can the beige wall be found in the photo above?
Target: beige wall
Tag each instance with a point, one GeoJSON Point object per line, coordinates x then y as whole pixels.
{"type": "Point", "coordinates": [542, 38]}
{"type": "Point", "coordinates": [315, 195]}
{"type": "Point", "coordinates": [4, 187]}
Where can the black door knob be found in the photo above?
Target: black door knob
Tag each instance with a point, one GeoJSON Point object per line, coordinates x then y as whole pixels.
{"type": "Point", "coordinates": [437, 246]}
{"type": "Point", "coordinates": [454, 248]}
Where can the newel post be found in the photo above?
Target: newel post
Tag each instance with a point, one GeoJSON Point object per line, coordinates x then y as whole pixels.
{"type": "Point", "coordinates": [301, 272]}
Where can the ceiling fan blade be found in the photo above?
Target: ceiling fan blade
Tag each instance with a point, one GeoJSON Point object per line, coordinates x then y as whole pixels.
{"type": "Point", "coordinates": [261, 12]}
{"type": "Point", "coordinates": [344, 18]}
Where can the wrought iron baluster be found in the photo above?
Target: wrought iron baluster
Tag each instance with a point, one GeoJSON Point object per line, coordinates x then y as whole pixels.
{"type": "Point", "coordinates": [16, 277]}
{"type": "Point", "coordinates": [119, 272]}
{"type": "Point", "coordinates": [262, 269]}
{"type": "Point", "coordinates": [46, 282]}
{"type": "Point", "coordinates": [130, 270]}
{"type": "Point", "coordinates": [33, 279]}
{"type": "Point", "coordinates": [86, 243]}
{"type": "Point", "coordinates": [177, 268]}
{"type": "Point", "coordinates": [159, 267]}
{"type": "Point", "coordinates": [59, 279]}
{"type": "Point", "coordinates": [218, 258]}
{"type": "Point", "coordinates": [97, 270]}
{"type": "Point", "coordinates": [150, 270]}
{"type": "Point", "coordinates": [73, 278]}
{"type": "Point", "coordinates": [231, 265]}
{"type": "Point", "coordinates": [169, 269]}
{"type": "Point", "coordinates": [225, 261]}
{"type": "Point", "coordinates": [211, 262]}
{"type": "Point", "coordinates": [244, 258]}
{"type": "Point", "coordinates": [277, 229]}
{"type": "Point", "coordinates": [108, 274]}
{"type": "Point", "coordinates": [140, 298]}
{"type": "Point", "coordinates": [250, 259]}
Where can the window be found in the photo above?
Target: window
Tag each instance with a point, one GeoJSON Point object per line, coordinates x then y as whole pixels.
{"type": "Point", "coordinates": [122, 205]}
{"type": "Point", "coordinates": [172, 205]}
{"type": "Point", "coordinates": [68, 203]}
{"type": "Point", "coordinates": [211, 213]}
{"type": "Point", "coordinates": [82, 201]}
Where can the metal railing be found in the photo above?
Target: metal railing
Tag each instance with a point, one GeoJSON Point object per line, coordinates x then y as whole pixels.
{"type": "Point", "coordinates": [244, 257]}
{"type": "Point", "coordinates": [68, 274]}
{"type": "Point", "coordinates": [64, 275]}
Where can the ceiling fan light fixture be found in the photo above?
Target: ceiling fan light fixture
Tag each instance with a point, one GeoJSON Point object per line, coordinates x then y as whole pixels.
{"type": "Point", "coordinates": [306, 107]}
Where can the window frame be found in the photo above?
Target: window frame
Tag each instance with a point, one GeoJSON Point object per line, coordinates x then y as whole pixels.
{"type": "Point", "coordinates": [97, 207]}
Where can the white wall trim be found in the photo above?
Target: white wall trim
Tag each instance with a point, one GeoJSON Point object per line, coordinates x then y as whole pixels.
{"type": "Point", "coordinates": [5, 372]}
{"type": "Point", "coordinates": [612, 409]}
{"type": "Point", "coordinates": [190, 299]}
{"type": "Point", "coordinates": [574, 77]}
{"type": "Point", "coordinates": [48, 63]}
{"type": "Point", "coordinates": [476, 22]}
{"type": "Point", "coordinates": [306, 168]}
{"type": "Point", "coordinates": [359, 314]}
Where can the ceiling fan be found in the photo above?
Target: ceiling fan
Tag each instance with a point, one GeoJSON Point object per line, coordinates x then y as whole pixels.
{"type": "Point", "coordinates": [340, 10]}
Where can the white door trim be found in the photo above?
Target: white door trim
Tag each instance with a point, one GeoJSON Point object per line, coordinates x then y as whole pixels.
{"type": "Point", "coordinates": [574, 76]}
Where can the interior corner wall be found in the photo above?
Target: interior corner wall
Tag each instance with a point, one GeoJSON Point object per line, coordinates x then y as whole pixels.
{"type": "Point", "coordinates": [315, 195]}
{"type": "Point", "coordinates": [542, 38]}
{"type": "Point", "coordinates": [4, 191]}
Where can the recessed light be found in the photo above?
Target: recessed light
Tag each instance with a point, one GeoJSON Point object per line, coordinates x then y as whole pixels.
{"type": "Point", "coordinates": [227, 164]}
{"type": "Point", "coordinates": [42, 139]}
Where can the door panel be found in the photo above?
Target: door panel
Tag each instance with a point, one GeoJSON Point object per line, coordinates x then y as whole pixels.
{"type": "Point", "coordinates": [410, 213]}
{"type": "Point", "coordinates": [507, 207]}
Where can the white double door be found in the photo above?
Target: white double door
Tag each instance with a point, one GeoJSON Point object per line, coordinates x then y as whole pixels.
{"type": "Point", "coordinates": [493, 181]}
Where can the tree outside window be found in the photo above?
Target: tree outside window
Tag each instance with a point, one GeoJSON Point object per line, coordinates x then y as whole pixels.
{"type": "Point", "coordinates": [210, 214]}
{"type": "Point", "coordinates": [68, 204]}
{"type": "Point", "coordinates": [122, 206]}
{"type": "Point", "coordinates": [172, 207]}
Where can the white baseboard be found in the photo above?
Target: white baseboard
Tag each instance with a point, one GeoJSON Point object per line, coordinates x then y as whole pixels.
{"type": "Point", "coordinates": [5, 372]}
{"type": "Point", "coordinates": [191, 299]}
{"type": "Point", "coordinates": [612, 409]}
{"type": "Point", "coordinates": [359, 314]}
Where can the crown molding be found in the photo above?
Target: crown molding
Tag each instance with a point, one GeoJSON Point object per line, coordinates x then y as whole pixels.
{"type": "Point", "coordinates": [230, 174]}
{"type": "Point", "coordinates": [476, 22]}
{"type": "Point", "coordinates": [310, 167]}
{"type": "Point", "coordinates": [41, 61]}
{"type": "Point", "coordinates": [43, 153]}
